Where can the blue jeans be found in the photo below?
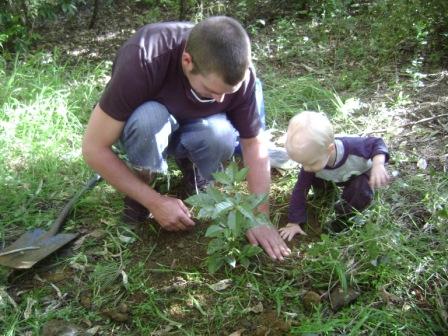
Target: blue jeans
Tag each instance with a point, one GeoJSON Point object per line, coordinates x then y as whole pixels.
{"type": "Point", "coordinates": [152, 133]}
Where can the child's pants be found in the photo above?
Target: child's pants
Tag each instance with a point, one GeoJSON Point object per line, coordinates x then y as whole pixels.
{"type": "Point", "coordinates": [356, 194]}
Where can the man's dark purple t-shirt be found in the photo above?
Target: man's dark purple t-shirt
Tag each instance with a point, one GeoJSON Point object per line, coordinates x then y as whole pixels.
{"type": "Point", "coordinates": [148, 68]}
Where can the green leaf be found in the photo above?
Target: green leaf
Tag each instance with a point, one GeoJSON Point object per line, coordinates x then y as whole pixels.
{"type": "Point", "coordinates": [222, 207]}
{"type": "Point", "coordinates": [214, 263]}
{"type": "Point", "coordinates": [231, 170]}
{"type": "Point", "coordinates": [215, 245]}
{"type": "Point", "coordinates": [206, 212]}
{"type": "Point", "coordinates": [215, 194]}
{"type": "Point", "coordinates": [251, 250]}
{"type": "Point", "coordinates": [231, 261]}
{"type": "Point", "coordinates": [258, 199]}
{"type": "Point", "coordinates": [247, 212]}
{"type": "Point", "coordinates": [214, 231]}
{"type": "Point", "coordinates": [199, 200]}
{"type": "Point", "coordinates": [244, 262]}
{"type": "Point", "coordinates": [241, 175]}
{"type": "Point", "coordinates": [222, 178]}
{"type": "Point", "coordinates": [234, 223]}
{"type": "Point", "coordinates": [341, 276]}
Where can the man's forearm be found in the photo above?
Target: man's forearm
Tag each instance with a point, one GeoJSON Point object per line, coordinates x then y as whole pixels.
{"type": "Point", "coordinates": [259, 176]}
{"type": "Point", "coordinates": [117, 174]}
{"type": "Point", "coordinates": [97, 153]}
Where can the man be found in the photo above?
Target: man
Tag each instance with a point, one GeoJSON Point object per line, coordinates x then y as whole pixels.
{"type": "Point", "coordinates": [181, 90]}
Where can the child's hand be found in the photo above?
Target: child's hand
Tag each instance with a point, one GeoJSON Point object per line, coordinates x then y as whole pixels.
{"type": "Point", "coordinates": [290, 230]}
{"type": "Point", "coordinates": [379, 177]}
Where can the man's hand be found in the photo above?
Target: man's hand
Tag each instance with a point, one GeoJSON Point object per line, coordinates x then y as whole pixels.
{"type": "Point", "coordinates": [270, 241]}
{"type": "Point", "coordinates": [172, 214]}
{"type": "Point", "coordinates": [379, 177]}
{"type": "Point", "coordinates": [290, 230]}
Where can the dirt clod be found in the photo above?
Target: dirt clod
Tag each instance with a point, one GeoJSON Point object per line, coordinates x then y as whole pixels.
{"type": "Point", "coordinates": [311, 299]}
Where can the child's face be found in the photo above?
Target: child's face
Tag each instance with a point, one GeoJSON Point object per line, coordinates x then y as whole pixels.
{"type": "Point", "coordinates": [315, 163]}
{"type": "Point", "coordinates": [312, 158]}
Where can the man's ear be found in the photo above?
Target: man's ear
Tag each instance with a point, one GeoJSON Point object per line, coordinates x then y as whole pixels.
{"type": "Point", "coordinates": [331, 148]}
{"type": "Point", "coordinates": [187, 61]}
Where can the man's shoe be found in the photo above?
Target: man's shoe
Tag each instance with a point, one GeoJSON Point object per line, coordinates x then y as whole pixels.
{"type": "Point", "coordinates": [134, 212]}
{"type": "Point", "coordinates": [193, 181]}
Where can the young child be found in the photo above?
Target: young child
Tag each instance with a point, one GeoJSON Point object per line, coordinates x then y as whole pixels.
{"type": "Point", "coordinates": [355, 163]}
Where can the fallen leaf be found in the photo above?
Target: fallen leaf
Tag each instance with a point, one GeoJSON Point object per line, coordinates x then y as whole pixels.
{"type": "Point", "coordinates": [221, 285]}
{"type": "Point", "coordinates": [126, 239]}
{"type": "Point", "coordinates": [388, 297]}
{"type": "Point", "coordinates": [163, 331]}
{"type": "Point", "coordinates": [29, 306]}
{"type": "Point", "coordinates": [422, 164]}
{"type": "Point", "coordinates": [258, 308]}
{"type": "Point", "coordinates": [93, 331]}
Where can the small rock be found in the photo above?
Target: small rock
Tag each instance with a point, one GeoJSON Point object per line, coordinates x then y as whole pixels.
{"type": "Point", "coordinates": [115, 315]}
{"type": "Point", "coordinates": [56, 276]}
{"type": "Point", "coordinates": [246, 324]}
{"type": "Point", "coordinates": [123, 308]}
{"type": "Point", "coordinates": [339, 299]}
{"type": "Point", "coordinates": [61, 328]}
{"type": "Point", "coordinates": [261, 331]}
{"type": "Point", "coordinates": [85, 300]}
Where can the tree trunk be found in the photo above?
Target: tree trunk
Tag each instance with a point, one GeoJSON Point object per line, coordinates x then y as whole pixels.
{"type": "Point", "coordinates": [182, 9]}
{"type": "Point", "coordinates": [94, 14]}
{"type": "Point", "coordinates": [26, 18]}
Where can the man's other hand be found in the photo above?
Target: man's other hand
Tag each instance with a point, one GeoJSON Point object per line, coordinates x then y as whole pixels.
{"type": "Point", "coordinates": [269, 239]}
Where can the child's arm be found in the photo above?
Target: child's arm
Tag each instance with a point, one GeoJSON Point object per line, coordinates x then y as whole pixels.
{"type": "Point", "coordinates": [297, 206]}
{"type": "Point", "coordinates": [379, 176]}
{"type": "Point", "coordinates": [290, 230]}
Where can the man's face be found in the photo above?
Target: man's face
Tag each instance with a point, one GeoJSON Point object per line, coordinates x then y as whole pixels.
{"type": "Point", "coordinates": [206, 88]}
{"type": "Point", "coordinates": [209, 88]}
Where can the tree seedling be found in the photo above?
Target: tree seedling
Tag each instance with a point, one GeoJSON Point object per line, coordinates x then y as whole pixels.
{"type": "Point", "coordinates": [232, 212]}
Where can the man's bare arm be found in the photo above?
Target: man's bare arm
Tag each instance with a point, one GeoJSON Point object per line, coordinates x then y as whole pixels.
{"type": "Point", "coordinates": [102, 132]}
{"type": "Point", "coordinates": [256, 158]}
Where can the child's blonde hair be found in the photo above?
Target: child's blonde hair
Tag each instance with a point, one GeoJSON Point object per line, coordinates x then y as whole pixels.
{"type": "Point", "coordinates": [314, 125]}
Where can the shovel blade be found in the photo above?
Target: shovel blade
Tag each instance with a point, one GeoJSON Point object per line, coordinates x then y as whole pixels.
{"type": "Point", "coordinates": [36, 246]}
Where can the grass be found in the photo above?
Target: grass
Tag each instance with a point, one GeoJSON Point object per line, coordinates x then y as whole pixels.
{"type": "Point", "coordinates": [395, 255]}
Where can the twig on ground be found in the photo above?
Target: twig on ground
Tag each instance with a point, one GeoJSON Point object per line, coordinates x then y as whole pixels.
{"type": "Point", "coordinates": [421, 121]}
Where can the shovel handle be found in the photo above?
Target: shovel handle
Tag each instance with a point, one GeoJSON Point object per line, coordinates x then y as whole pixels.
{"type": "Point", "coordinates": [92, 182]}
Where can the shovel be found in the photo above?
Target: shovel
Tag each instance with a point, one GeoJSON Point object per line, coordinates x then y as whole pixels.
{"type": "Point", "coordinates": [35, 245]}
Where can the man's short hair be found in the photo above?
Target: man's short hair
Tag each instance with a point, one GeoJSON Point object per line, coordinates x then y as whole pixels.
{"type": "Point", "coordinates": [220, 45]}
{"type": "Point", "coordinates": [315, 125]}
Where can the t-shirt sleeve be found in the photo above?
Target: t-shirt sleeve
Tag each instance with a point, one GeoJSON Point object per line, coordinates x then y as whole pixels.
{"type": "Point", "coordinates": [244, 113]}
{"type": "Point", "coordinates": [131, 84]}
{"type": "Point", "coordinates": [368, 147]}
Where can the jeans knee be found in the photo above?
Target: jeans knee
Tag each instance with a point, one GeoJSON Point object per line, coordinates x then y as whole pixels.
{"type": "Point", "coordinates": [148, 119]}
{"type": "Point", "coordinates": [216, 135]}
{"type": "Point", "coordinates": [146, 135]}
{"type": "Point", "coordinates": [219, 135]}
